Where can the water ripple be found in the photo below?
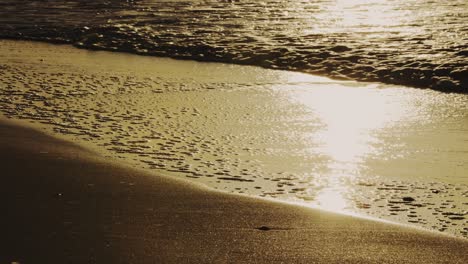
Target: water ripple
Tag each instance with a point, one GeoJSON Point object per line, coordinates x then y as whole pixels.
{"type": "Point", "coordinates": [418, 43]}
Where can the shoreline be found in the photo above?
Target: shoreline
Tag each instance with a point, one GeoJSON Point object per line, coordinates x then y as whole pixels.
{"type": "Point", "coordinates": [411, 78]}
{"type": "Point", "coordinates": [67, 202]}
{"type": "Point", "coordinates": [95, 156]}
{"type": "Point", "coordinates": [71, 206]}
{"type": "Point", "coordinates": [78, 97]}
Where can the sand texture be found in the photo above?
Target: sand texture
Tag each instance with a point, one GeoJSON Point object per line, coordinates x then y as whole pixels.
{"type": "Point", "coordinates": [63, 204]}
{"type": "Point", "coordinates": [385, 151]}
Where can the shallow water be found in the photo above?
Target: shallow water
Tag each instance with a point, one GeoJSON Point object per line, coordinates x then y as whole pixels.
{"type": "Point", "coordinates": [419, 43]}
{"type": "Point", "coordinates": [391, 152]}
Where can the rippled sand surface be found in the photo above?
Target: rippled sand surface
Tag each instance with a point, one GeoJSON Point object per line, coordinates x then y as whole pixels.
{"type": "Point", "coordinates": [418, 43]}
{"type": "Point", "coordinates": [387, 151]}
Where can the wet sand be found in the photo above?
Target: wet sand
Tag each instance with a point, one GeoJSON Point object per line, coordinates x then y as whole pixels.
{"type": "Point", "coordinates": [70, 202]}
{"type": "Point", "coordinates": [64, 204]}
{"type": "Point", "coordinates": [253, 131]}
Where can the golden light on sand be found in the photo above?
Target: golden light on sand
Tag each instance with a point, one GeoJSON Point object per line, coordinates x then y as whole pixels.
{"type": "Point", "coordinates": [347, 132]}
{"type": "Point", "coordinates": [349, 119]}
{"type": "Point", "coordinates": [332, 199]}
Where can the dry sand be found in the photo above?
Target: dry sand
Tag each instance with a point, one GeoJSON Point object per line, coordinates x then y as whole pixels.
{"type": "Point", "coordinates": [63, 204]}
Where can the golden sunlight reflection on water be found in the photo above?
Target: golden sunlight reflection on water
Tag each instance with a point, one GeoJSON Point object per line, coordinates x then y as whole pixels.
{"type": "Point", "coordinates": [379, 15]}
{"type": "Point", "coordinates": [350, 118]}
{"type": "Point", "coordinates": [358, 13]}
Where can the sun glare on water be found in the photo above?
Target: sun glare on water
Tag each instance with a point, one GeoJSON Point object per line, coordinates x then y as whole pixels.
{"type": "Point", "coordinates": [349, 117]}
{"type": "Point", "coordinates": [375, 15]}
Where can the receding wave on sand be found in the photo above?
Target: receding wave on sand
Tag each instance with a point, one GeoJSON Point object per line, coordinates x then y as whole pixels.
{"type": "Point", "coordinates": [416, 43]}
{"type": "Point", "coordinates": [254, 131]}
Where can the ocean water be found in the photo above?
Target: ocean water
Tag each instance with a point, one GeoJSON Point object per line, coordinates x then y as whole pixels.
{"type": "Point", "coordinates": [419, 43]}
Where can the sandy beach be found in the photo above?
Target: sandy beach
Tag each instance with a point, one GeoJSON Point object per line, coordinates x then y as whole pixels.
{"type": "Point", "coordinates": [64, 204]}
{"type": "Point", "coordinates": [67, 201]}
{"type": "Point", "coordinates": [389, 152]}
{"type": "Point", "coordinates": [274, 131]}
